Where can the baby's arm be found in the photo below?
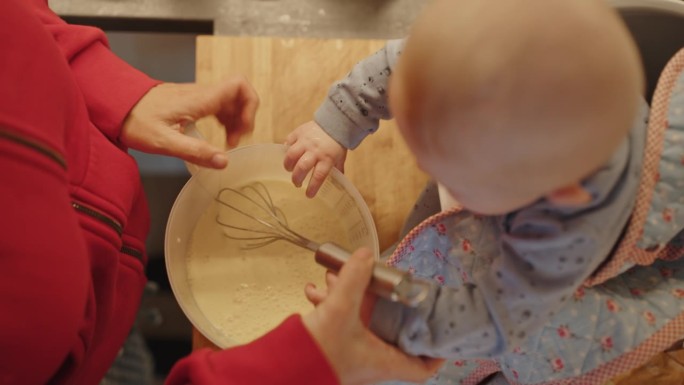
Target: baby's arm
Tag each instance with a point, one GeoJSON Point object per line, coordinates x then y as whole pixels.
{"type": "Point", "coordinates": [355, 105]}
{"type": "Point", "coordinates": [351, 111]}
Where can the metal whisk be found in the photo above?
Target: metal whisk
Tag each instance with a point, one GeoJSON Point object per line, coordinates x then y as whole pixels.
{"type": "Point", "coordinates": [259, 222]}
{"type": "Point", "coordinates": [269, 223]}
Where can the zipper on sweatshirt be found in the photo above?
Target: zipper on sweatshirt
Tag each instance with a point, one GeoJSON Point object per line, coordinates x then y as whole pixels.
{"type": "Point", "coordinates": [135, 253]}
{"type": "Point", "coordinates": [110, 222]}
{"type": "Point", "coordinates": [89, 211]}
{"type": "Point", "coordinates": [57, 157]}
{"type": "Point", "coordinates": [34, 145]}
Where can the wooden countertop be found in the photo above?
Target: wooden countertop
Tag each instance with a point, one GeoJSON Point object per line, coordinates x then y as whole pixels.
{"type": "Point", "coordinates": [292, 77]}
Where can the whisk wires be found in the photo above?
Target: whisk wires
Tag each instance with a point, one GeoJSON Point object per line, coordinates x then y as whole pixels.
{"type": "Point", "coordinates": [268, 225]}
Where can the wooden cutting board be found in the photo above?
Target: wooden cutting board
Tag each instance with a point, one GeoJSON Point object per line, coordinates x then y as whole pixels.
{"type": "Point", "coordinates": [292, 77]}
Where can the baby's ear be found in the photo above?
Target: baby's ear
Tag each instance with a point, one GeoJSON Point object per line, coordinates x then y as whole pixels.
{"type": "Point", "coordinates": [571, 195]}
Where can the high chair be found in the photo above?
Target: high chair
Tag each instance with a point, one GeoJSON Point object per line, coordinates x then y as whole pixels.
{"type": "Point", "coordinates": [658, 28]}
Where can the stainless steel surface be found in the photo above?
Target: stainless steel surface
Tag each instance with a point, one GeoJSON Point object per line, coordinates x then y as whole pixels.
{"type": "Point", "coordinates": [305, 18]}
{"type": "Point", "coordinates": [386, 282]}
{"type": "Point", "coordinates": [258, 222]}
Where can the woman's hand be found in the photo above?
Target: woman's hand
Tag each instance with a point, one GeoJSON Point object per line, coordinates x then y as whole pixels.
{"type": "Point", "coordinates": [357, 355]}
{"type": "Point", "coordinates": [155, 124]}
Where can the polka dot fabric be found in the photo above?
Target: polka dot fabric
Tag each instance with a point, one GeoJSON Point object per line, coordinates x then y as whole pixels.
{"type": "Point", "coordinates": [658, 218]}
{"type": "Point", "coordinates": [626, 314]}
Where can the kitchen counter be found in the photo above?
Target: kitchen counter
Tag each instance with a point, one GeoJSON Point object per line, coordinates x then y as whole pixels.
{"type": "Point", "coordinates": [378, 19]}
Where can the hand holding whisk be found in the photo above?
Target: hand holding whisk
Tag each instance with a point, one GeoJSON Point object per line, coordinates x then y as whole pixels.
{"type": "Point", "coordinates": [257, 221]}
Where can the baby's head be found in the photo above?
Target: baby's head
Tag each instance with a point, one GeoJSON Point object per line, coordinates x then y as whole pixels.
{"type": "Point", "coordinates": [506, 102]}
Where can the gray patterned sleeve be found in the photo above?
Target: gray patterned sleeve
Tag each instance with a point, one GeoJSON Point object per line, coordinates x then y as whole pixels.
{"type": "Point", "coordinates": [355, 105]}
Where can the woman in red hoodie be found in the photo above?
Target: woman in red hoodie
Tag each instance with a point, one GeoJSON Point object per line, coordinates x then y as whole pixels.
{"type": "Point", "coordinates": [73, 219]}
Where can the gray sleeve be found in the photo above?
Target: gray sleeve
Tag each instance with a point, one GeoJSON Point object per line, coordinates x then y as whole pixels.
{"type": "Point", "coordinates": [355, 105]}
{"type": "Point", "coordinates": [545, 253]}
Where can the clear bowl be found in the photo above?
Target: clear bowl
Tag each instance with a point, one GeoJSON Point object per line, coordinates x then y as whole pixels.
{"type": "Point", "coordinates": [248, 164]}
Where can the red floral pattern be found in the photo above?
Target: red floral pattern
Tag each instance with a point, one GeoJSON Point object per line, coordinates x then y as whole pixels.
{"type": "Point", "coordinates": [557, 364]}
{"type": "Point", "coordinates": [678, 293]}
{"type": "Point", "coordinates": [467, 247]}
{"type": "Point", "coordinates": [612, 306]}
{"type": "Point", "coordinates": [606, 343]}
{"type": "Point", "coordinates": [563, 331]}
{"type": "Point", "coordinates": [649, 317]}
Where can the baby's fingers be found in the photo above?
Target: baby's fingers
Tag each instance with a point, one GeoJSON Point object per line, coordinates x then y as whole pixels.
{"type": "Point", "coordinates": [292, 155]}
{"type": "Point", "coordinates": [291, 138]}
{"type": "Point", "coordinates": [320, 172]}
{"type": "Point", "coordinates": [304, 165]}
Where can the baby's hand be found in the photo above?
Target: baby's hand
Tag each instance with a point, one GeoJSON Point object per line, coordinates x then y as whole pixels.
{"type": "Point", "coordinates": [311, 148]}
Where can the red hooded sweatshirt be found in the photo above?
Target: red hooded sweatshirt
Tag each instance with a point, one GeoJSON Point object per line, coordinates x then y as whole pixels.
{"type": "Point", "coordinates": [73, 219]}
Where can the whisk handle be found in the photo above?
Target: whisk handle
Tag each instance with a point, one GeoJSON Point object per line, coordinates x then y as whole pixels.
{"type": "Point", "coordinates": [386, 282]}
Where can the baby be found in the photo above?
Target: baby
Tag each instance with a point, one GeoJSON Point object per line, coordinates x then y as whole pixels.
{"type": "Point", "coordinates": [528, 113]}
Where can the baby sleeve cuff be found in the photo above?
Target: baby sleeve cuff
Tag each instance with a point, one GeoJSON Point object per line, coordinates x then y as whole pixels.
{"type": "Point", "coordinates": [339, 126]}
